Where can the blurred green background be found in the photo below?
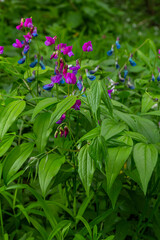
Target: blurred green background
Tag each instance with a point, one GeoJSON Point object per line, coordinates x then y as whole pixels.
{"type": "Point", "coordinates": [77, 21]}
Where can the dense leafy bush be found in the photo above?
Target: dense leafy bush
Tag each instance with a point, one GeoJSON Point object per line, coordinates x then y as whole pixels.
{"type": "Point", "coordinates": [80, 152]}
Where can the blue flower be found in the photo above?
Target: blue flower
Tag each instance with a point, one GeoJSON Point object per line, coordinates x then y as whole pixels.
{"type": "Point", "coordinates": [22, 60]}
{"type": "Point", "coordinates": [130, 85]}
{"type": "Point", "coordinates": [94, 71]}
{"type": "Point", "coordinates": [48, 87]}
{"type": "Point", "coordinates": [117, 65]}
{"type": "Point", "coordinates": [34, 63]}
{"type": "Point", "coordinates": [30, 79]}
{"type": "Point", "coordinates": [42, 64]}
{"type": "Point", "coordinates": [91, 77]}
{"type": "Point", "coordinates": [132, 62]}
{"type": "Point", "coordinates": [158, 78]}
{"type": "Point", "coordinates": [117, 44]}
{"type": "Point", "coordinates": [153, 77]}
{"type": "Point", "coordinates": [109, 53]}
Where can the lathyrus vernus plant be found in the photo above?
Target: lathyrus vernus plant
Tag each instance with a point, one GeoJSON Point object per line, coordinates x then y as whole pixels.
{"type": "Point", "coordinates": [79, 152]}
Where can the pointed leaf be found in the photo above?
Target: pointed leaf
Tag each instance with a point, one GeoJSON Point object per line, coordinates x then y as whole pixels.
{"type": "Point", "coordinates": [41, 130]}
{"type": "Point", "coordinates": [15, 160]}
{"type": "Point", "coordinates": [85, 167]}
{"type": "Point", "coordinates": [43, 104]}
{"type": "Point", "coordinates": [9, 115]}
{"type": "Point", "coordinates": [111, 128]}
{"type": "Point", "coordinates": [117, 156]}
{"type": "Point", "coordinates": [48, 168]}
{"type": "Point", "coordinates": [6, 143]}
{"type": "Point", "coordinates": [145, 157]}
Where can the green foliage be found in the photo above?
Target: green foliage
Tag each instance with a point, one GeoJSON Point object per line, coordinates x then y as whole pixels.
{"type": "Point", "coordinates": [95, 175]}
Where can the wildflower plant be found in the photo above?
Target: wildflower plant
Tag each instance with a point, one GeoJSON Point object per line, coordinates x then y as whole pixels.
{"type": "Point", "coordinates": [79, 139]}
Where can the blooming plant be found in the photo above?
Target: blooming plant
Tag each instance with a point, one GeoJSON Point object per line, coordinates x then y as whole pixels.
{"type": "Point", "coordinates": [79, 140]}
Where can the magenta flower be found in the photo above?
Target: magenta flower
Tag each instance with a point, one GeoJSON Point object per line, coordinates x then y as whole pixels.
{"type": "Point", "coordinates": [34, 32]}
{"type": "Point", "coordinates": [27, 37]}
{"type": "Point", "coordinates": [65, 71]}
{"type": "Point", "coordinates": [66, 131]}
{"type": "Point", "coordinates": [54, 55]}
{"type": "Point", "coordinates": [87, 47]}
{"type": "Point", "coordinates": [1, 49]}
{"type": "Point", "coordinates": [109, 92]}
{"type": "Point", "coordinates": [48, 86]}
{"type": "Point", "coordinates": [28, 23]}
{"type": "Point", "coordinates": [21, 24]}
{"type": "Point", "coordinates": [61, 46]}
{"type": "Point", "coordinates": [61, 119]}
{"type": "Point", "coordinates": [77, 105]}
{"type": "Point", "coordinates": [18, 44]}
{"type": "Point", "coordinates": [57, 78]}
{"type": "Point", "coordinates": [50, 41]}
{"type": "Point", "coordinates": [68, 51]}
{"type": "Point", "coordinates": [159, 51]}
{"type": "Point", "coordinates": [71, 78]}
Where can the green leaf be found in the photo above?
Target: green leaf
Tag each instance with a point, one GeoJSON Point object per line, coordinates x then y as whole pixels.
{"type": "Point", "coordinates": [84, 205]}
{"type": "Point", "coordinates": [83, 220]}
{"type": "Point", "coordinates": [39, 228]}
{"type": "Point", "coordinates": [42, 131]}
{"type": "Point", "coordinates": [79, 237]}
{"type": "Point", "coordinates": [147, 103]}
{"type": "Point", "coordinates": [9, 115]}
{"type": "Point", "coordinates": [117, 156]}
{"type": "Point", "coordinates": [15, 160]}
{"type": "Point", "coordinates": [85, 167]}
{"type": "Point", "coordinates": [58, 228]}
{"type": "Point", "coordinates": [153, 46]}
{"type": "Point", "coordinates": [97, 151]}
{"type": "Point", "coordinates": [153, 113]}
{"type": "Point", "coordinates": [6, 143]}
{"type": "Point", "coordinates": [145, 157]}
{"type": "Point", "coordinates": [43, 104]}
{"type": "Point", "coordinates": [39, 70]}
{"type": "Point", "coordinates": [145, 59]}
{"type": "Point", "coordinates": [48, 168]}
{"type": "Point", "coordinates": [126, 118]}
{"type": "Point", "coordinates": [114, 192]}
{"type": "Point", "coordinates": [91, 134]}
{"type": "Point", "coordinates": [147, 128]}
{"type": "Point", "coordinates": [105, 97]}
{"type": "Point", "coordinates": [94, 96]}
{"type": "Point", "coordinates": [136, 136]}
{"type": "Point", "coordinates": [111, 128]}
{"type": "Point", "coordinates": [61, 108]}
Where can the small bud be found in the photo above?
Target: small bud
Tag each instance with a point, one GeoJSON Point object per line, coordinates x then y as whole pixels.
{"type": "Point", "coordinates": [56, 134]}
{"type": "Point", "coordinates": [66, 131]}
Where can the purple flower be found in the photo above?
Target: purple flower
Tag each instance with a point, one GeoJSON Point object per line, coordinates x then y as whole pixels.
{"type": "Point", "coordinates": [26, 49]}
{"type": "Point", "coordinates": [28, 23]}
{"type": "Point", "coordinates": [87, 47]}
{"type": "Point", "coordinates": [18, 44]}
{"type": "Point", "coordinates": [50, 41]}
{"type": "Point", "coordinates": [65, 71]}
{"type": "Point", "coordinates": [48, 87]}
{"type": "Point", "coordinates": [77, 105]}
{"type": "Point", "coordinates": [109, 92]}
{"type": "Point", "coordinates": [70, 78]}
{"type": "Point", "coordinates": [68, 51]}
{"type": "Point", "coordinates": [34, 32]}
{"type": "Point", "coordinates": [1, 49]}
{"type": "Point", "coordinates": [54, 55]}
{"type": "Point", "coordinates": [66, 131]}
{"type": "Point", "coordinates": [61, 46]}
{"type": "Point", "coordinates": [27, 37]}
{"type": "Point", "coordinates": [57, 78]}
{"type": "Point", "coordinates": [80, 83]}
{"type": "Point", "coordinates": [74, 69]}
{"type": "Point", "coordinates": [21, 24]}
{"type": "Point", "coordinates": [61, 119]}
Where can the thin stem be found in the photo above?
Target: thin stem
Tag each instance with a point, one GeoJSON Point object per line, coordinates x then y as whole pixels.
{"type": "Point", "coordinates": [134, 53]}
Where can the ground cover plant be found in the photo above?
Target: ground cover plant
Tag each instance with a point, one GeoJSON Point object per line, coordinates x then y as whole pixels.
{"type": "Point", "coordinates": [79, 139]}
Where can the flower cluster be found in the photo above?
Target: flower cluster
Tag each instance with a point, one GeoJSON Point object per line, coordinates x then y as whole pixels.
{"type": "Point", "coordinates": [25, 44]}
{"type": "Point", "coordinates": [131, 61]}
